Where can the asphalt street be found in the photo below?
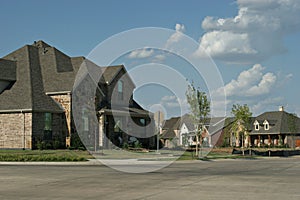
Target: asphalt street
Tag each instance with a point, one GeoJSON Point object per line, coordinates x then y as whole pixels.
{"type": "Point", "coordinates": [273, 178]}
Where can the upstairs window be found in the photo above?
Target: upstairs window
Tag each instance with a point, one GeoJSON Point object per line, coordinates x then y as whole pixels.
{"type": "Point", "coordinates": [85, 120]}
{"type": "Point", "coordinates": [48, 122]}
{"type": "Point", "coordinates": [143, 122]}
{"type": "Point", "coordinates": [256, 125]}
{"type": "Point", "coordinates": [120, 90]}
{"type": "Point", "coordinates": [266, 124]}
{"type": "Point", "coordinates": [118, 124]}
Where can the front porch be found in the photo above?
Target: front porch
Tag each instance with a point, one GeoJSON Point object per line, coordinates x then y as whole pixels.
{"type": "Point", "coordinates": [273, 140]}
{"type": "Point", "coordinates": [126, 127]}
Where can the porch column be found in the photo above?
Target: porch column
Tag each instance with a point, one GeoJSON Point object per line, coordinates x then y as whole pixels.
{"type": "Point", "coordinates": [249, 141]}
{"type": "Point", "coordinates": [101, 130]}
{"type": "Point", "coordinates": [269, 140]}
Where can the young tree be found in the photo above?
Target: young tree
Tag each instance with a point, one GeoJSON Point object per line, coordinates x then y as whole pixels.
{"type": "Point", "coordinates": [242, 116]}
{"type": "Point", "coordinates": [200, 109]}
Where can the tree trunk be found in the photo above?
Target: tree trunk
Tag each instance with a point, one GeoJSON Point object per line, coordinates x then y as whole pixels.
{"type": "Point", "coordinates": [197, 141]}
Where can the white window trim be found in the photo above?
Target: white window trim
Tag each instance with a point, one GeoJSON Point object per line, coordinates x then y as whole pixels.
{"type": "Point", "coordinates": [256, 125]}
{"type": "Point", "coordinates": [266, 125]}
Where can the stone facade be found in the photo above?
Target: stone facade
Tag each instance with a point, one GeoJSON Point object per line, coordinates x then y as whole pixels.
{"type": "Point", "coordinates": [58, 129]}
{"type": "Point", "coordinates": [65, 101]}
{"type": "Point", "coordinates": [16, 130]}
{"type": "Point", "coordinates": [25, 130]}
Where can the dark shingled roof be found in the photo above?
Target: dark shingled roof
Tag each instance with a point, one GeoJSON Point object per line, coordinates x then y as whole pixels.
{"type": "Point", "coordinates": [27, 93]}
{"type": "Point", "coordinates": [173, 123]}
{"type": "Point", "coordinates": [109, 73]}
{"type": "Point", "coordinates": [279, 123]}
{"type": "Point", "coordinates": [213, 124]}
{"type": "Point", "coordinates": [168, 134]}
{"type": "Point", "coordinates": [58, 70]}
{"type": "Point", "coordinates": [8, 70]}
{"type": "Point", "coordinates": [217, 123]}
{"type": "Point", "coordinates": [41, 69]}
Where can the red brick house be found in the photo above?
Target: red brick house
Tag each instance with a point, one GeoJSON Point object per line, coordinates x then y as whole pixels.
{"type": "Point", "coordinates": [36, 88]}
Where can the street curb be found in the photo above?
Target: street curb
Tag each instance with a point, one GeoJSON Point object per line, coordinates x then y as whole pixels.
{"type": "Point", "coordinates": [95, 162]}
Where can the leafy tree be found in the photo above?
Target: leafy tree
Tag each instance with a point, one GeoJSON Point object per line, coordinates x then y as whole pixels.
{"type": "Point", "coordinates": [200, 109]}
{"type": "Point", "coordinates": [242, 116]}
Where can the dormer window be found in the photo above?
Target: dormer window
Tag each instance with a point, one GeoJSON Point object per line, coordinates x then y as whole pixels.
{"type": "Point", "coordinates": [256, 125]}
{"type": "Point", "coordinates": [266, 124]}
{"type": "Point", "coordinates": [120, 90]}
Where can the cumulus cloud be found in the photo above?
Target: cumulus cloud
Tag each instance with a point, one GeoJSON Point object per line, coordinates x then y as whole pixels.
{"type": "Point", "coordinates": [179, 30]}
{"type": "Point", "coordinates": [141, 53]}
{"type": "Point", "coordinates": [170, 101]}
{"type": "Point", "coordinates": [252, 82]}
{"type": "Point", "coordinates": [255, 34]}
{"type": "Point", "coordinates": [266, 104]}
{"type": "Point", "coordinates": [159, 57]}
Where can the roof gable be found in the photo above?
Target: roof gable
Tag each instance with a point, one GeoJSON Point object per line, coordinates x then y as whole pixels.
{"type": "Point", "coordinates": [278, 121]}
{"type": "Point", "coordinates": [27, 93]}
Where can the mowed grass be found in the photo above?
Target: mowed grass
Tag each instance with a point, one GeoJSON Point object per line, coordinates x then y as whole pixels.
{"type": "Point", "coordinates": [44, 155]}
{"type": "Point", "coordinates": [215, 153]}
{"type": "Point", "coordinates": [76, 155]}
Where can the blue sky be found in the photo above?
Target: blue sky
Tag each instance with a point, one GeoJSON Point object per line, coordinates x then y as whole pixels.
{"type": "Point", "coordinates": [255, 44]}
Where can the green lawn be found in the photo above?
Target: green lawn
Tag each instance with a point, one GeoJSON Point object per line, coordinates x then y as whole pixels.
{"type": "Point", "coordinates": [44, 155]}
{"type": "Point", "coordinates": [76, 155]}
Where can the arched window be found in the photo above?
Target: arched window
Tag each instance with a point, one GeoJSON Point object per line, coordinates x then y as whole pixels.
{"type": "Point", "coordinates": [48, 122]}
{"type": "Point", "coordinates": [256, 125]}
{"type": "Point", "coordinates": [266, 124]}
{"type": "Point", "coordinates": [120, 90]}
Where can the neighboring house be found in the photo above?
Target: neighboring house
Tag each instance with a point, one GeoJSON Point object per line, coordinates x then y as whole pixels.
{"type": "Point", "coordinates": [170, 132]}
{"type": "Point", "coordinates": [275, 128]}
{"type": "Point", "coordinates": [217, 131]}
{"type": "Point", "coordinates": [36, 87]}
{"type": "Point", "coordinates": [180, 131]}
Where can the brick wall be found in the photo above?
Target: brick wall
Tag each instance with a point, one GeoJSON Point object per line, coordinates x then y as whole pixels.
{"type": "Point", "coordinates": [15, 130]}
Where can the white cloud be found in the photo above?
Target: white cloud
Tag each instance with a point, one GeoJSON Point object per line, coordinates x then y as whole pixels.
{"type": "Point", "coordinates": [264, 86]}
{"type": "Point", "coordinates": [174, 102]}
{"type": "Point", "coordinates": [268, 104]}
{"type": "Point", "coordinates": [168, 98]}
{"type": "Point", "coordinates": [170, 101]}
{"type": "Point", "coordinates": [255, 34]}
{"type": "Point", "coordinates": [217, 43]}
{"type": "Point", "coordinates": [141, 53]}
{"type": "Point", "coordinates": [175, 37]}
{"type": "Point", "coordinates": [252, 82]}
{"type": "Point", "coordinates": [159, 57]}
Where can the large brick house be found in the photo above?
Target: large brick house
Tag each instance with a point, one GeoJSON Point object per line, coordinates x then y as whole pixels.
{"type": "Point", "coordinates": [36, 87]}
{"type": "Point", "coordinates": [275, 128]}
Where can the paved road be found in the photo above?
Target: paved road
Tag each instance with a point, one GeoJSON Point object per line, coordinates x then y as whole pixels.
{"type": "Point", "coordinates": [226, 179]}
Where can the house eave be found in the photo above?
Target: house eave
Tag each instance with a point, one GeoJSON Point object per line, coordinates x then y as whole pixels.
{"type": "Point", "coordinates": [59, 93]}
{"type": "Point", "coordinates": [28, 111]}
